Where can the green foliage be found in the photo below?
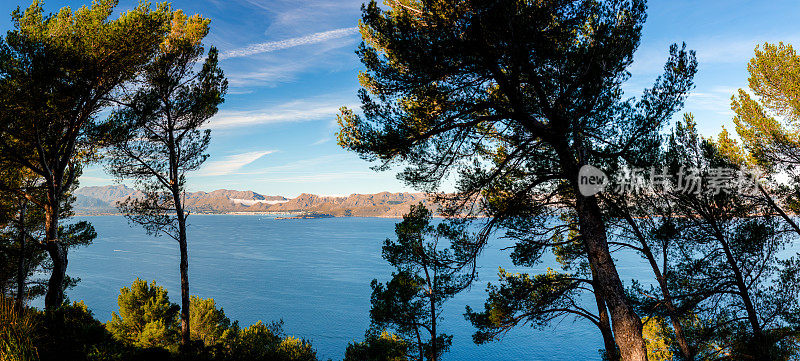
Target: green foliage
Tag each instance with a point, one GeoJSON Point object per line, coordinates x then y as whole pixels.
{"type": "Point", "coordinates": [770, 142]}
{"type": "Point", "coordinates": [656, 335]}
{"type": "Point", "coordinates": [58, 72]}
{"type": "Point", "coordinates": [147, 326]}
{"type": "Point", "coordinates": [383, 347]}
{"type": "Point", "coordinates": [525, 299]}
{"type": "Point", "coordinates": [146, 317]}
{"type": "Point", "coordinates": [180, 90]}
{"type": "Point", "coordinates": [70, 332]}
{"type": "Point", "coordinates": [267, 342]}
{"type": "Point", "coordinates": [208, 323]}
{"type": "Point", "coordinates": [399, 303]}
{"type": "Point", "coordinates": [427, 274]}
{"type": "Point", "coordinates": [17, 332]}
{"type": "Point", "coordinates": [734, 289]}
{"type": "Point", "coordinates": [510, 99]}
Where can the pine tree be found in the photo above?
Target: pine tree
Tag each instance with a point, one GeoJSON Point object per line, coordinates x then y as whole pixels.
{"type": "Point", "coordinates": [410, 303]}
{"type": "Point", "coordinates": [166, 141]}
{"type": "Point", "coordinates": [513, 98]}
{"type": "Point", "coordinates": [58, 72]}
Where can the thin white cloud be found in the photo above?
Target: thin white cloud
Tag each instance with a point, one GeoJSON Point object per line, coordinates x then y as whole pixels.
{"type": "Point", "coordinates": [250, 202]}
{"type": "Point", "coordinates": [322, 141]}
{"type": "Point", "coordinates": [294, 111]}
{"type": "Point", "coordinates": [289, 43]}
{"type": "Point", "coordinates": [232, 163]}
{"type": "Point", "coordinates": [301, 165]}
{"type": "Point", "coordinates": [270, 75]}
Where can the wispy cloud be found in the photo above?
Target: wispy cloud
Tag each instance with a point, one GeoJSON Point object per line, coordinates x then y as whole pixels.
{"type": "Point", "coordinates": [232, 163]}
{"type": "Point", "coordinates": [322, 141]}
{"type": "Point", "coordinates": [270, 75]}
{"type": "Point", "coordinates": [298, 166]}
{"type": "Point", "coordinates": [294, 111]}
{"type": "Point", "coordinates": [289, 43]}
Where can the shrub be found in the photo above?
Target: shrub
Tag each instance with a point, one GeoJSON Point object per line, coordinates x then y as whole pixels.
{"type": "Point", "coordinates": [207, 323]}
{"type": "Point", "coordinates": [146, 328]}
{"type": "Point", "coordinates": [657, 338]}
{"type": "Point", "coordinates": [383, 347]}
{"type": "Point", "coordinates": [16, 330]}
{"type": "Point", "coordinates": [71, 332]}
{"type": "Point", "coordinates": [146, 317]}
{"type": "Point", "coordinates": [268, 342]}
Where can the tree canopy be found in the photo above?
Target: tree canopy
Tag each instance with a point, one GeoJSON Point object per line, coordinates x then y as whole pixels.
{"type": "Point", "coordinates": [58, 72]}
{"type": "Point", "coordinates": [512, 98]}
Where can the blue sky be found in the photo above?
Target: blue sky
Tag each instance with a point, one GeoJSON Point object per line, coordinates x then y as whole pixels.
{"type": "Point", "coordinates": [291, 65]}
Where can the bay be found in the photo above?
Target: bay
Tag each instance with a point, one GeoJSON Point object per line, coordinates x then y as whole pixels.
{"type": "Point", "coordinates": [314, 274]}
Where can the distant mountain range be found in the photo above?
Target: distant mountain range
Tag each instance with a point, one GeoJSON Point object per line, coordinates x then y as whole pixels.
{"type": "Point", "coordinates": [103, 200]}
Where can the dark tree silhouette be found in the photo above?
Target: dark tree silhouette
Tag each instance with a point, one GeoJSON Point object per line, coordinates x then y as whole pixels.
{"type": "Point", "coordinates": [22, 242]}
{"type": "Point", "coordinates": [524, 299]}
{"type": "Point", "coordinates": [513, 98]}
{"type": "Point", "coordinates": [411, 301]}
{"type": "Point", "coordinates": [730, 246]}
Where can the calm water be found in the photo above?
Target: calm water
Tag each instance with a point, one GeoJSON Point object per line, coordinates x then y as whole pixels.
{"type": "Point", "coordinates": [313, 274]}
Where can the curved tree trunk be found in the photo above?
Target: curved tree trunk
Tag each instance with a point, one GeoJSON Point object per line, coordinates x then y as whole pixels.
{"type": "Point", "coordinates": [672, 311]}
{"type": "Point", "coordinates": [612, 351]}
{"type": "Point", "coordinates": [744, 291]}
{"type": "Point", "coordinates": [626, 324]}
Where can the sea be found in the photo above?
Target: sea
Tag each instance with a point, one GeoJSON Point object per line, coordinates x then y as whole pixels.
{"type": "Point", "coordinates": [314, 274]}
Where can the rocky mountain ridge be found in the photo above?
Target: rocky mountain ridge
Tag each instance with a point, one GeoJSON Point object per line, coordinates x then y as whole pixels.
{"type": "Point", "coordinates": [103, 200]}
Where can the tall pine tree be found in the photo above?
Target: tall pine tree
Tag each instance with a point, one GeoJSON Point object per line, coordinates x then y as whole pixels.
{"type": "Point", "coordinates": [513, 98]}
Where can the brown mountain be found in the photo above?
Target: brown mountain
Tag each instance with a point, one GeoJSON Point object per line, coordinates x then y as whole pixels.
{"type": "Point", "coordinates": [383, 204]}
{"type": "Point", "coordinates": [102, 200]}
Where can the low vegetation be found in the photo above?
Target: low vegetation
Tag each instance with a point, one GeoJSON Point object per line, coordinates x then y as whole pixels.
{"type": "Point", "coordinates": [146, 327]}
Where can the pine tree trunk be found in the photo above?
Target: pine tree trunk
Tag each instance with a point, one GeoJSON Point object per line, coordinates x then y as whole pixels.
{"type": "Point", "coordinates": [626, 324]}
{"type": "Point", "coordinates": [185, 331]}
{"type": "Point", "coordinates": [58, 255]}
{"type": "Point", "coordinates": [612, 352]}
{"type": "Point", "coordinates": [744, 293]}
{"type": "Point", "coordinates": [672, 312]}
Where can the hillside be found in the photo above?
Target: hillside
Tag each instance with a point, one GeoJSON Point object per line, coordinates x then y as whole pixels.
{"type": "Point", "coordinates": [103, 200]}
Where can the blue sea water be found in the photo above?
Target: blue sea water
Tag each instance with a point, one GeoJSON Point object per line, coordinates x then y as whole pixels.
{"type": "Point", "coordinates": [314, 274]}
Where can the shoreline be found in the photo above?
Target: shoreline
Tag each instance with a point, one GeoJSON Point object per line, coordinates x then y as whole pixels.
{"type": "Point", "coordinates": [249, 214]}
{"type": "Point", "coordinates": [243, 214]}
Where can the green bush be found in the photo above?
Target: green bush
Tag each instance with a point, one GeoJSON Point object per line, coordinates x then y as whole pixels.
{"type": "Point", "coordinates": [16, 330]}
{"type": "Point", "coordinates": [145, 328]}
{"type": "Point", "coordinates": [208, 323]}
{"type": "Point", "coordinates": [146, 318]}
{"type": "Point", "coordinates": [383, 347]}
{"type": "Point", "coordinates": [71, 332]}
{"type": "Point", "coordinates": [268, 342]}
{"type": "Point", "coordinates": [147, 323]}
